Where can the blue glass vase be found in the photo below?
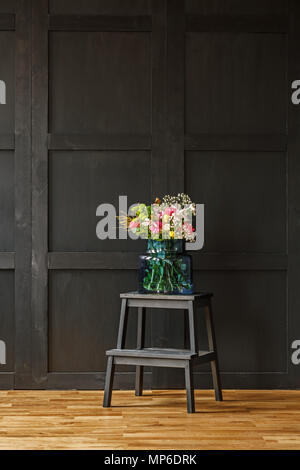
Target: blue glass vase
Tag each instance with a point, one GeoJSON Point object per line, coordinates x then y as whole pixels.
{"type": "Point", "coordinates": [165, 268]}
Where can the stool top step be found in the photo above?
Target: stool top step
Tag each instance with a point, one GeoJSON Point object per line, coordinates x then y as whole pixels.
{"type": "Point", "coordinates": [136, 295]}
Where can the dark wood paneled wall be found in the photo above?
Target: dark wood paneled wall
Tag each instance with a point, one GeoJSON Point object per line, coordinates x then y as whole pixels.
{"type": "Point", "coordinates": [141, 98]}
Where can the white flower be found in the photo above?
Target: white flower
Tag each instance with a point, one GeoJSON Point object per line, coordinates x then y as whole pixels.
{"type": "Point", "coordinates": [146, 222]}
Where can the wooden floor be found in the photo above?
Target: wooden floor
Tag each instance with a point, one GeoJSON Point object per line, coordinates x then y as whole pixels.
{"type": "Point", "coordinates": [158, 420]}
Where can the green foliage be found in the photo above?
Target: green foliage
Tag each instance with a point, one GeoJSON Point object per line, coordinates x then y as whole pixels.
{"type": "Point", "coordinates": [166, 275]}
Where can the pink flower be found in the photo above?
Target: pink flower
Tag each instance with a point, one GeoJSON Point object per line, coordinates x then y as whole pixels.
{"type": "Point", "coordinates": [154, 227]}
{"type": "Point", "coordinates": [188, 228]}
{"type": "Point", "coordinates": [134, 224]}
{"type": "Point", "coordinates": [169, 211]}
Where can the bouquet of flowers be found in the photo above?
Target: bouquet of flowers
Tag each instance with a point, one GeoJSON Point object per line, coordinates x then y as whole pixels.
{"type": "Point", "coordinates": [165, 268]}
{"type": "Point", "coordinates": [170, 218]}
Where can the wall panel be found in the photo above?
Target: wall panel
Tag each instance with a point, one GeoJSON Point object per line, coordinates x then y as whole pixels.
{"type": "Point", "coordinates": [245, 199]}
{"type": "Point", "coordinates": [226, 74]}
{"type": "Point", "coordinates": [7, 74]}
{"type": "Point", "coordinates": [100, 7]}
{"type": "Point", "coordinates": [249, 310]}
{"type": "Point", "coordinates": [83, 180]}
{"type": "Point", "coordinates": [102, 89]}
{"type": "Point", "coordinates": [236, 7]}
{"type": "Point", "coordinates": [7, 201]}
{"type": "Point", "coordinates": [83, 318]}
{"type": "Point", "coordinates": [7, 320]}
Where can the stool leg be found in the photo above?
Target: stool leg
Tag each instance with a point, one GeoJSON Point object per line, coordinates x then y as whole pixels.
{"type": "Point", "coordinates": [189, 385]}
{"type": "Point", "coordinates": [186, 337]}
{"type": "Point", "coordinates": [192, 328]}
{"type": "Point", "coordinates": [189, 380]}
{"type": "Point", "coordinates": [122, 325]}
{"type": "Point", "coordinates": [110, 371]}
{"type": "Point", "coordinates": [213, 347]}
{"type": "Point", "coordinates": [109, 382]}
{"type": "Point", "coordinates": [140, 344]}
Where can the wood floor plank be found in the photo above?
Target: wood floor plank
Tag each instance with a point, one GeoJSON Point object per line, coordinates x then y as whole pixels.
{"type": "Point", "coordinates": [246, 419]}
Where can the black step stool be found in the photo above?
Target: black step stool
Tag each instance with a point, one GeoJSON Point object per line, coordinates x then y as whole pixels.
{"type": "Point", "coordinates": [183, 358]}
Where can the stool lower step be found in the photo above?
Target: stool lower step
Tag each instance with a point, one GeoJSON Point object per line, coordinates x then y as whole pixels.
{"type": "Point", "coordinates": [166, 353]}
